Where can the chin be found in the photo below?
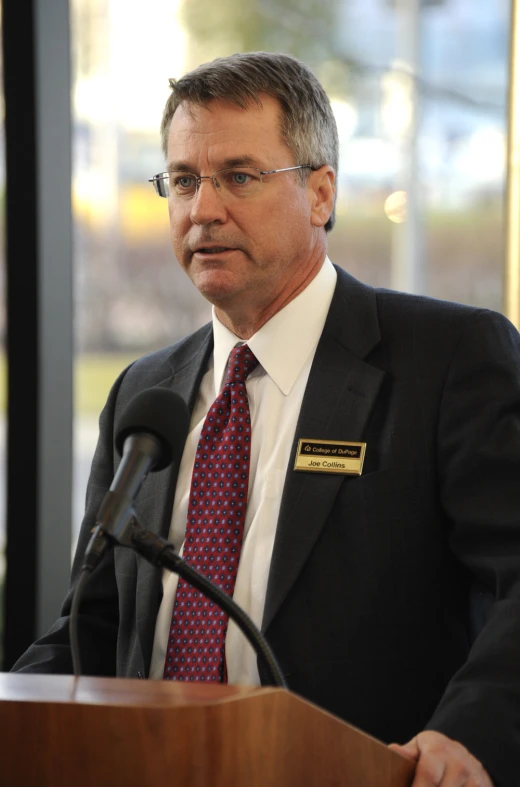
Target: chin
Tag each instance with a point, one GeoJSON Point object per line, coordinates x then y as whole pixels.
{"type": "Point", "coordinates": [217, 286]}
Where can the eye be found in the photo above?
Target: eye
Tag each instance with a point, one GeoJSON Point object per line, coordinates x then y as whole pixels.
{"type": "Point", "coordinates": [183, 182]}
{"type": "Point", "coordinates": [240, 178]}
{"type": "Point", "coordinates": [240, 181]}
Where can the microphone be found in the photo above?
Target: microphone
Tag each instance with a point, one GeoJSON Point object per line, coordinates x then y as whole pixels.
{"type": "Point", "coordinates": [150, 435]}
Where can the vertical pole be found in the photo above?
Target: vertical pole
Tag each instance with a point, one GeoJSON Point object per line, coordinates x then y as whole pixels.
{"type": "Point", "coordinates": [55, 329]}
{"type": "Point", "coordinates": [407, 251]}
{"type": "Point", "coordinates": [511, 288]}
{"type": "Point", "coordinates": [35, 39]}
{"type": "Point", "coordinates": [22, 327]}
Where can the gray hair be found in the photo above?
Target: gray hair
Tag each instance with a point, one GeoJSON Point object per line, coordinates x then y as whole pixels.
{"type": "Point", "coordinates": [308, 126]}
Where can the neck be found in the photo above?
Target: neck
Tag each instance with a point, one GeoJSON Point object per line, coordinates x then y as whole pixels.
{"type": "Point", "coordinates": [245, 323]}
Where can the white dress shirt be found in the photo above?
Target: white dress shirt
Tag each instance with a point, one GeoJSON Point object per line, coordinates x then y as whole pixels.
{"type": "Point", "coordinates": [285, 348]}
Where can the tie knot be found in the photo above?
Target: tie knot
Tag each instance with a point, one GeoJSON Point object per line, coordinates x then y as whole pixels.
{"type": "Point", "coordinates": [240, 364]}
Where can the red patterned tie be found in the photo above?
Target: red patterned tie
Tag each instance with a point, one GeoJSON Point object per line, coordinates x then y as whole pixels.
{"type": "Point", "coordinates": [215, 528]}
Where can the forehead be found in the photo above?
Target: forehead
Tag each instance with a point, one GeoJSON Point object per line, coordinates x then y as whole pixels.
{"type": "Point", "coordinates": [220, 131]}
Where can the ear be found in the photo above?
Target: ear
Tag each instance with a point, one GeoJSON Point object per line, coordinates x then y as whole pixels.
{"type": "Point", "coordinates": [322, 185]}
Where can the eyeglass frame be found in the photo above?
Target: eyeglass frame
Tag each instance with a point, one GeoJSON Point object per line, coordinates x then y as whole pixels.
{"type": "Point", "coordinates": [200, 178]}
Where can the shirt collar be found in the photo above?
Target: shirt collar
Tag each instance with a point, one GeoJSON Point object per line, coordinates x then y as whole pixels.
{"type": "Point", "coordinates": [286, 341]}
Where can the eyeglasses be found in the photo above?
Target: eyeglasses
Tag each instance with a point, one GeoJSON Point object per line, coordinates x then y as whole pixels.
{"type": "Point", "coordinates": [232, 181]}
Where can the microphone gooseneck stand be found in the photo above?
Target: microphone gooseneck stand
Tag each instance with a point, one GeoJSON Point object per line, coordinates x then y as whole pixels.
{"type": "Point", "coordinates": [159, 552]}
{"type": "Point", "coordinates": [149, 436]}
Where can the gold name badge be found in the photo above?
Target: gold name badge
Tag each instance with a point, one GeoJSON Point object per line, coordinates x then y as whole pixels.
{"type": "Point", "coordinates": [330, 456]}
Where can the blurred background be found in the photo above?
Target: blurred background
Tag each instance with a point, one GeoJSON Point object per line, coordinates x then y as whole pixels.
{"type": "Point", "coordinates": [419, 91]}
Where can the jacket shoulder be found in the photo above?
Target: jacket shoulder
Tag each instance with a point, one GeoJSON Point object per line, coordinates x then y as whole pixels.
{"type": "Point", "coordinates": [155, 367]}
{"type": "Point", "coordinates": [418, 324]}
{"type": "Point", "coordinates": [446, 320]}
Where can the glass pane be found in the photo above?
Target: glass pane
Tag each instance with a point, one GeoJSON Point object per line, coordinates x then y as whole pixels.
{"type": "Point", "coordinates": [3, 365]}
{"type": "Point", "coordinates": [131, 295]}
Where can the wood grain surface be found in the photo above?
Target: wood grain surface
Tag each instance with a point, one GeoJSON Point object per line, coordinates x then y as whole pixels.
{"type": "Point", "coordinates": [64, 732]}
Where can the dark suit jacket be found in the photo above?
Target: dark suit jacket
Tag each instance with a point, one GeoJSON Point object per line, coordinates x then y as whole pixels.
{"type": "Point", "coordinates": [373, 578]}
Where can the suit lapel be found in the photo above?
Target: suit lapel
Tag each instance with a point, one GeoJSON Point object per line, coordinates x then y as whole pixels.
{"type": "Point", "coordinates": [155, 502]}
{"type": "Point", "coordinates": [339, 398]}
{"type": "Point", "coordinates": [185, 372]}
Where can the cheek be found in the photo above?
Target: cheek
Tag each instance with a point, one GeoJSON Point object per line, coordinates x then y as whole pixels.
{"type": "Point", "coordinates": [170, 213]}
{"type": "Point", "coordinates": [272, 221]}
{"type": "Point", "coordinates": [175, 238]}
{"type": "Point", "coordinates": [178, 230]}
{"type": "Point", "coordinates": [290, 220]}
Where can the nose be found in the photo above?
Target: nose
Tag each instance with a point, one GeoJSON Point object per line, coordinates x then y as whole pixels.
{"type": "Point", "coordinates": [208, 206]}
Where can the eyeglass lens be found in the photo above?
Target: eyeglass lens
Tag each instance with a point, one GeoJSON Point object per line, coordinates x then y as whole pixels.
{"type": "Point", "coordinates": [234, 181]}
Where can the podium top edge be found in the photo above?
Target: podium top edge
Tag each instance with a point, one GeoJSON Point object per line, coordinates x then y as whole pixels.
{"type": "Point", "coordinates": [20, 687]}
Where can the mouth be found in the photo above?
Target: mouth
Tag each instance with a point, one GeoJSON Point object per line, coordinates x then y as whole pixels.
{"type": "Point", "coordinates": [212, 249]}
{"type": "Point", "coordinates": [213, 252]}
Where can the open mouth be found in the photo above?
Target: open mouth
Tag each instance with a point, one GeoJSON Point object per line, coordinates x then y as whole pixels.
{"type": "Point", "coordinates": [212, 250]}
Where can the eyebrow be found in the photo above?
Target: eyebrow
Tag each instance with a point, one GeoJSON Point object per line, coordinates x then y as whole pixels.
{"type": "Point", "coordinates": [237, 161]}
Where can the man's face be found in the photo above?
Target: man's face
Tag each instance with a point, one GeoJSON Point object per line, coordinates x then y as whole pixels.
{"type": "Point", "coordinates": [268, 238]}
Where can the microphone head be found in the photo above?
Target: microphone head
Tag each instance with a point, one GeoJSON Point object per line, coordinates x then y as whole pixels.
{"type": "Point", "coordinates": [161, 413]}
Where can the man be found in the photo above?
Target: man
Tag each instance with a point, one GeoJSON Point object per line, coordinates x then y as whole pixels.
{"type": "Point", "coordinates": [363, 584]}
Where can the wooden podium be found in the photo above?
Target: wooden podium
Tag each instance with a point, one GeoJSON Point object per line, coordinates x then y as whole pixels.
{"type": "Point", "coordinates": [58, 731]}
